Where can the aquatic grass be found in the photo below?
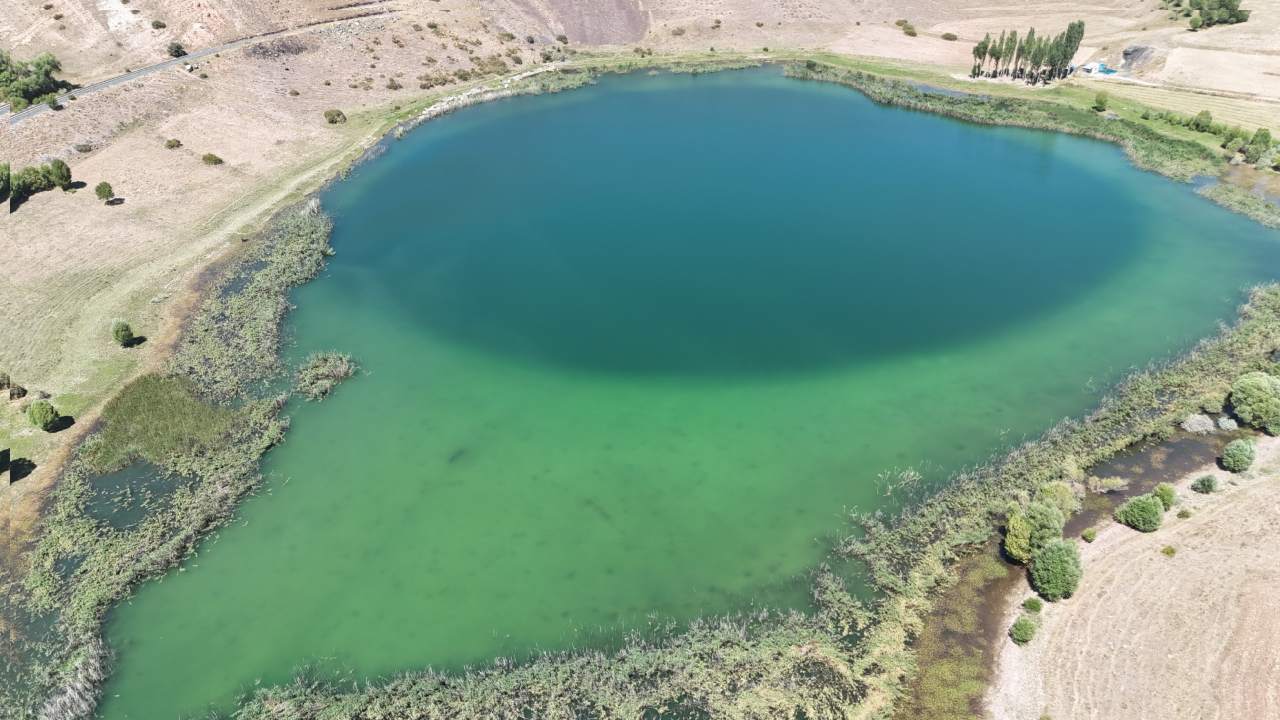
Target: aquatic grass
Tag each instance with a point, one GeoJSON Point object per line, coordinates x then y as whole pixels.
{"type": "Point", "coordinates": [233, 342]}
{"type": "Point", "coordinates": [322, 372]}
{"type": "Point", "coordinates": [158, 419]}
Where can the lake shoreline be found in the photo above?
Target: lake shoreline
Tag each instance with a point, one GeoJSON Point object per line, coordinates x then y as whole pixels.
{"type": "Point", "coordinates": [798, 632]}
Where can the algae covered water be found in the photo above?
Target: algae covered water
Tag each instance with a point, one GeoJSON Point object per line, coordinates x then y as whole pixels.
{"type": "Point", "coordinates": [631, 353]}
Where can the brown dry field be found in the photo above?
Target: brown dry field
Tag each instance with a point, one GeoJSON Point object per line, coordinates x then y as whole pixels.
{"type": "Point", "coordinates": [69, 265]}
{"type": "Point", "coordinates": [1150, 637]}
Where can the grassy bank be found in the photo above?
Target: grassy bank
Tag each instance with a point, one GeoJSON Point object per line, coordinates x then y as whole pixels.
{"type": "Point", "coordinates": [205, 422]}
{"type": "Point", "coordinates": [843, 660]}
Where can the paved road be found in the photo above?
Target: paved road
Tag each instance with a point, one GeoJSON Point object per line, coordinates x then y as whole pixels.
{"type": "Point", "coordinates": [192, 56]}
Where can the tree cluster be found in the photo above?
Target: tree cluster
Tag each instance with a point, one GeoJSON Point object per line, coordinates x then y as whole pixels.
{"type": "Point", "coordinates": [1033, 537]}
{"type": "Point", "coordinates": [1035, 58]}
{"type": "Point", "coordinates": [37, 178]}
{"type": "Point", "coordinates": [1215, 12]}
{"type": "Point", "coordinates": [31, 82]}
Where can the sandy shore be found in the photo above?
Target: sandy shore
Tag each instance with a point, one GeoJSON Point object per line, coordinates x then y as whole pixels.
{"type": "Point", "coordinates": [1151, 636]}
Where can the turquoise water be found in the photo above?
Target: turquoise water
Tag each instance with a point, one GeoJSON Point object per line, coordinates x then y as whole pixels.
{"type": "Point", "coordinates": [632, 352]}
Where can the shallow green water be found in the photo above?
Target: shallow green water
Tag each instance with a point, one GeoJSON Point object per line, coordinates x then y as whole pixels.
{"type": "Point", "coordinates": [632, 351]}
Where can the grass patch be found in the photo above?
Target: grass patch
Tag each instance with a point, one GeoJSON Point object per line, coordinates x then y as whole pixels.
{"type": "Point", "coordinates": [158, 419]}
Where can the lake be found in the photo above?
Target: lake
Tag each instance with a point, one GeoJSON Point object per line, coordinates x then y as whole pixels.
{"type": "Point", "coordinates": [632, 353]}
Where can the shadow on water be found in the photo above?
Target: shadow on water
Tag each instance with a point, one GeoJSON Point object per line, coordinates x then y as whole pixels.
{"type": "Point", "coordinates": [789, 258]}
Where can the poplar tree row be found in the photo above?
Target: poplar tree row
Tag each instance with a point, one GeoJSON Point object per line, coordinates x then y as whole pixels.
{"type": "Point", "coordinates": [1033, 57]}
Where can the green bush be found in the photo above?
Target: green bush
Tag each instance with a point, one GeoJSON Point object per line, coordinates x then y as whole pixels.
{"type": "Point", "coordinates": [1060, 495]}
{"type": "Point", "coordinates": [1166, 494]}
{"type": "Point", "coordinates": [1205, 484]}
{"type": "Point", "coordinates": [1100, 101]}
{"type": "Point", "coordinates": [4, 181]}
{"type": "Point", "coordinates": [1017, 537]}
{"type": "Point", "coordinates": [1238, 455]}
{"type": "Point", "coordinates": [948, 36]}
{"type": "Point", "coordinates": [122, 333]}
{"type": "Point", "coordinates": [1169, 550]}
{"type": "Point", "coordinates": [1089, 535]}
{"type": "Point", "coordinates": [1183, 514]}
{"type": "Point", "coordinates": [103, 191]}
{"type": "Point", "coordinates": [172, 144]}
{"type": "Point", "coordinates": [176, 50]}
{"type": "Point", "coordinates": [1047, 522]}
{"type": "Point", "coordinates": [42, 414]}
{"type": "Point", "coordinates": [211, 159]}
{"type": "Point", "coordinates": [1143, 513]}
{"type": "Point", "coordinates": [1055, 570]}
{"type": "Point", "coordinates": [1032, 604]}
{"type": "Point", "coordinates": [1027, 530]}
{"type": "Point", "coordinates": [334, 117]}
{"type": "Point", "coordinates": [1255, 397]}
{"type": "Point", "coordinates": [1022, 630]}
{"type": "Point", "coordinates": [58, 173]}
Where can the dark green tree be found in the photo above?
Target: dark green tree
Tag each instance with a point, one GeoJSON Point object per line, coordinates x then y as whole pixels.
{"type": "Point", "coordinates": [1143, 513]}
{"type": "Point", "coordinates": [104, 191]}
{"type": "Point", "coordinates": [42, 414]}
{"type": "Point", "coordinates": [58, 173]}
{"type": "Point", "coordinates": [1238, 455]}
{"type": "Point", "coordinates": [122, 333]}
{"type": "Point", "coordinates": [1055, 570]}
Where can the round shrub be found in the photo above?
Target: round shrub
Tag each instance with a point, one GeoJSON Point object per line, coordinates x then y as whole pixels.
{"type": "Point", "coordinates": [104, 191]}
{"type": "Point", "coordinates": [42, 415]}
{"type": "Point", "coordinates": [1166, 494]}
{"type": "Point", "coordinates": [1022, 630]}
{"type": "Point", "coordinates": [334, 117]}
{"type": "Point", "coordinates": [1032, 604]}
{"type": "Point", "coordinates": [211, 159]}
{"type": "Point", "coordinates": [1089, 535]}
{"type": "Point", "coordinates": [122, 333]}
{"type": "Point", "coordinates": [1237, 456]}
{"type": "Point", "coordinates": [1046, 524]}
{"type": "Point", "coordinates": [1205, 484]}
{"type": "Point", "coordinates": [1055, 570]}
{"type": "Point", "coordinates": [1255, 397]}
{"type": "Point", "coordinates": [1143, 513]}
{"type": "Point", "coordinates": [1017, 537]}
